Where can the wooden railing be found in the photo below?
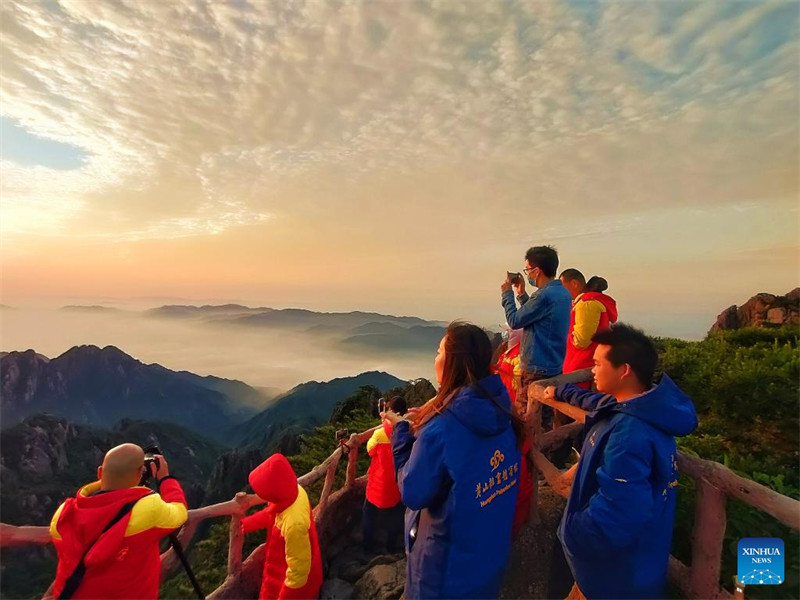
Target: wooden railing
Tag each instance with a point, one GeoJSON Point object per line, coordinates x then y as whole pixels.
{"type": "Point", "coordinates": [714, 483]}
{"type": "Point", "coordinates": [235, 508]}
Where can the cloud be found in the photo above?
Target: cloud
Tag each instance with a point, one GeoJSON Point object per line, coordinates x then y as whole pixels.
{"type": "Point", "coordinates": [401, 128]}
{"type": "Point", "coordinates": [231, 100]}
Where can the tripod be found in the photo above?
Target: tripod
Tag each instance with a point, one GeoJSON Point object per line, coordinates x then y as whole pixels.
{"type": "Point", "coordinates": [176, 546]}
{"type": "Point", "coordinates": [151, 457]}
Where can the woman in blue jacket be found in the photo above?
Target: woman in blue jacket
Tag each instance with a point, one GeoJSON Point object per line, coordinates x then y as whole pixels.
{"type": "Point", "coordinates": [458, 469]}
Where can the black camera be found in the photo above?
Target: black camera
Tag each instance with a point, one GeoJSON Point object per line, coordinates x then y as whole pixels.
{"type": "Point", "coordinates": [342, 436]}
{"type": "Point", "coordinates": [150, 459]}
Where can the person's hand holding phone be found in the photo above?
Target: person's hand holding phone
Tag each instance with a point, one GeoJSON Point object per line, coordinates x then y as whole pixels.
{"type": "Point", "coordinates": [392, 417]}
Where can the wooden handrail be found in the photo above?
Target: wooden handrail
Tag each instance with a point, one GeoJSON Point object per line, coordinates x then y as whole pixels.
{"type": "Point", "coordinates": [784, 509]}
{"type": "Point", "coordinates": [24, 535]}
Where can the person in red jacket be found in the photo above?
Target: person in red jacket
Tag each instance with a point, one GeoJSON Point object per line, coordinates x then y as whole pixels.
{"type": "Point", "coordinates": [592, 312]}
{"type": "Point", "coordinates": [293, 565]}
{"type": "Point", "coordinates": [507, 367]}
{"type": "Point", "coordinates": [123, 561]}
{"type": "Point", "coordinates": [383, 511]}
{"type": "Point", "coordinates": [507, 364]}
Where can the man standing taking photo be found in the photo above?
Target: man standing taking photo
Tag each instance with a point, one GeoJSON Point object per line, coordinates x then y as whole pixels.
{"type": "Point", "coordinates": [107, 536]}
{"type": "Point", "coordinates": [617, 525]}
{"type": "Point", "coordinates": [543, 317]}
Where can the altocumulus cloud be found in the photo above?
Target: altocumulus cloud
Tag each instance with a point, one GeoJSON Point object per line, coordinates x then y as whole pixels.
{"type": "Point", "coordinates": [196, 117]}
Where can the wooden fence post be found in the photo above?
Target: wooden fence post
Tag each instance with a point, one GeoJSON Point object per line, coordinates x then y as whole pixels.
{"type": "Point", "coordinates": [236, 536]}
{"type": "Point", "coordinates": [235, 541]}
{"type": "Point", "coordinates": [327, 487]}
{"type": "Point", "coordinates": [533, 420]}
{"type": "Point", "coordinates": [707, 539]}
{"type": "Point", "coordinates": [352, 461]}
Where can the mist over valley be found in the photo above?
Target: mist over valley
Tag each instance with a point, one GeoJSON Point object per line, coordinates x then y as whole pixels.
{"type": "Point", "coordinates": [263, 347]}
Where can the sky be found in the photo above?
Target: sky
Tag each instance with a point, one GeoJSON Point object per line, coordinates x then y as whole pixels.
{"type": "Point", "coordinates": [398, 156]}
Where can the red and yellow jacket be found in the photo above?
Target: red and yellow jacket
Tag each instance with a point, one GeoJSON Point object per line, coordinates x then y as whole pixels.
{"type": "Point", "coordinates": [591, 312]}
{"type": "Point", "coordinates": [125, 562]}
{"type": "Point", "coordinates": [382, 490]}
{"type": "Point", "coordinates": [293, 565]}
{"type": "Point", "coordinates": [509, 369]}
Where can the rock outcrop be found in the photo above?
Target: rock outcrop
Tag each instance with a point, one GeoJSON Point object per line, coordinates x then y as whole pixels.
{"type": "Point", "coordinates": [762, 310]}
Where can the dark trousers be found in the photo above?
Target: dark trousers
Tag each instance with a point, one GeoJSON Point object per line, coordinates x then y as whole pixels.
{"type": "Point", "coordinates": [561, 580]}
{"type": "Point", "coordinates": [383, 528]}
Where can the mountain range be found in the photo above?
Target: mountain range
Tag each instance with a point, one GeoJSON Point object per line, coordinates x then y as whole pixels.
{"type": "Point", "coordinates": [389, 338]}
{"type": "Point", "coordinates": [99, 386]}
{"type": "Point", "coordinates": [88, 385]}
{"type": "Point", "coordinates": [349, 324]}
{"type": "Point", "coordinates": [304, 407]}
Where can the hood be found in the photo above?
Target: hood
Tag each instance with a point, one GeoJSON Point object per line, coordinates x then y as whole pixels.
{"type": "Point", "coordinates": [607, 301]}
{"type": "Point", "coordinates": [275, 481]}
{"type": "Point", "coordinates": [665, 407]}
{"type": "Point", "coordinates": [477, 412]}
{"type": "Point", "coordinates": [83, 519]}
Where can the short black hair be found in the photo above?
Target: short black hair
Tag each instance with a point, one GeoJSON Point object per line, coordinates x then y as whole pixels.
{"type": "Point", "coordinates": [596, 284]}
{"type": "Point", "coordinates": [630, 346]}
{"type": "Point", "coordinates": [398, 405]}
{"type": "Point", "coordinates": [573, 275]}
{"type": "Point", "coordinates": [544, 257]}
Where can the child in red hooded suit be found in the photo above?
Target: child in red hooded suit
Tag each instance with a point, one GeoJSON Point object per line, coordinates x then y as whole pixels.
{"type": "Point", "coordinates": [293, 565]}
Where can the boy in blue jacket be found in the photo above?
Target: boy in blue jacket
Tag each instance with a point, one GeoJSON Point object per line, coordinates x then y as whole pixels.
{"type": "Point", "coordinates": [617, 526]}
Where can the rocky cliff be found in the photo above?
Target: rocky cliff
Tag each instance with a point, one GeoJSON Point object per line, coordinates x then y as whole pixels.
{"type": "Point", "coordinates": [762, 310]}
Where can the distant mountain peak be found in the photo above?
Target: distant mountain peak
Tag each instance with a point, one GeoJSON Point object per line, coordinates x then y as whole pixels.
{"type": "Point", "coordinates": [26, 355]}
{"type": "Point", "coordinates": [91, 351]}
{"type": "Point", "coordinates": [96, 308]}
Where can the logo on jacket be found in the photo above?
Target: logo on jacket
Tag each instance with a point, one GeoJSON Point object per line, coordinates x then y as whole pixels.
{"type": "Point", "coordinates": [496, 460]}
{"type": "Point", "coordinates": [760, 561]}
{"type": "Point", "coordinates": [497, 484]}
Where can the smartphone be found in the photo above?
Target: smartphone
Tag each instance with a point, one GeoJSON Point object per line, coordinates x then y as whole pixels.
{"type": "Point", "coordinates": [514, 278]}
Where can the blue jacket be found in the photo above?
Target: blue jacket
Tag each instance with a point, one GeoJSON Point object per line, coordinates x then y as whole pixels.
{"type": "Point", "coordinates": [544, 319]}
{"type": "Point", "coordinates": [617, 526]}
{"type": "Point", "coordinates": [459, 480]}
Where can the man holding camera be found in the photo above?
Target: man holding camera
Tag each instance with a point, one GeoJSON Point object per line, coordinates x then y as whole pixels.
{"type": "Point", "coordinates": [543, 317]}
{"type": "Point", "coordinates": [107, 536]}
